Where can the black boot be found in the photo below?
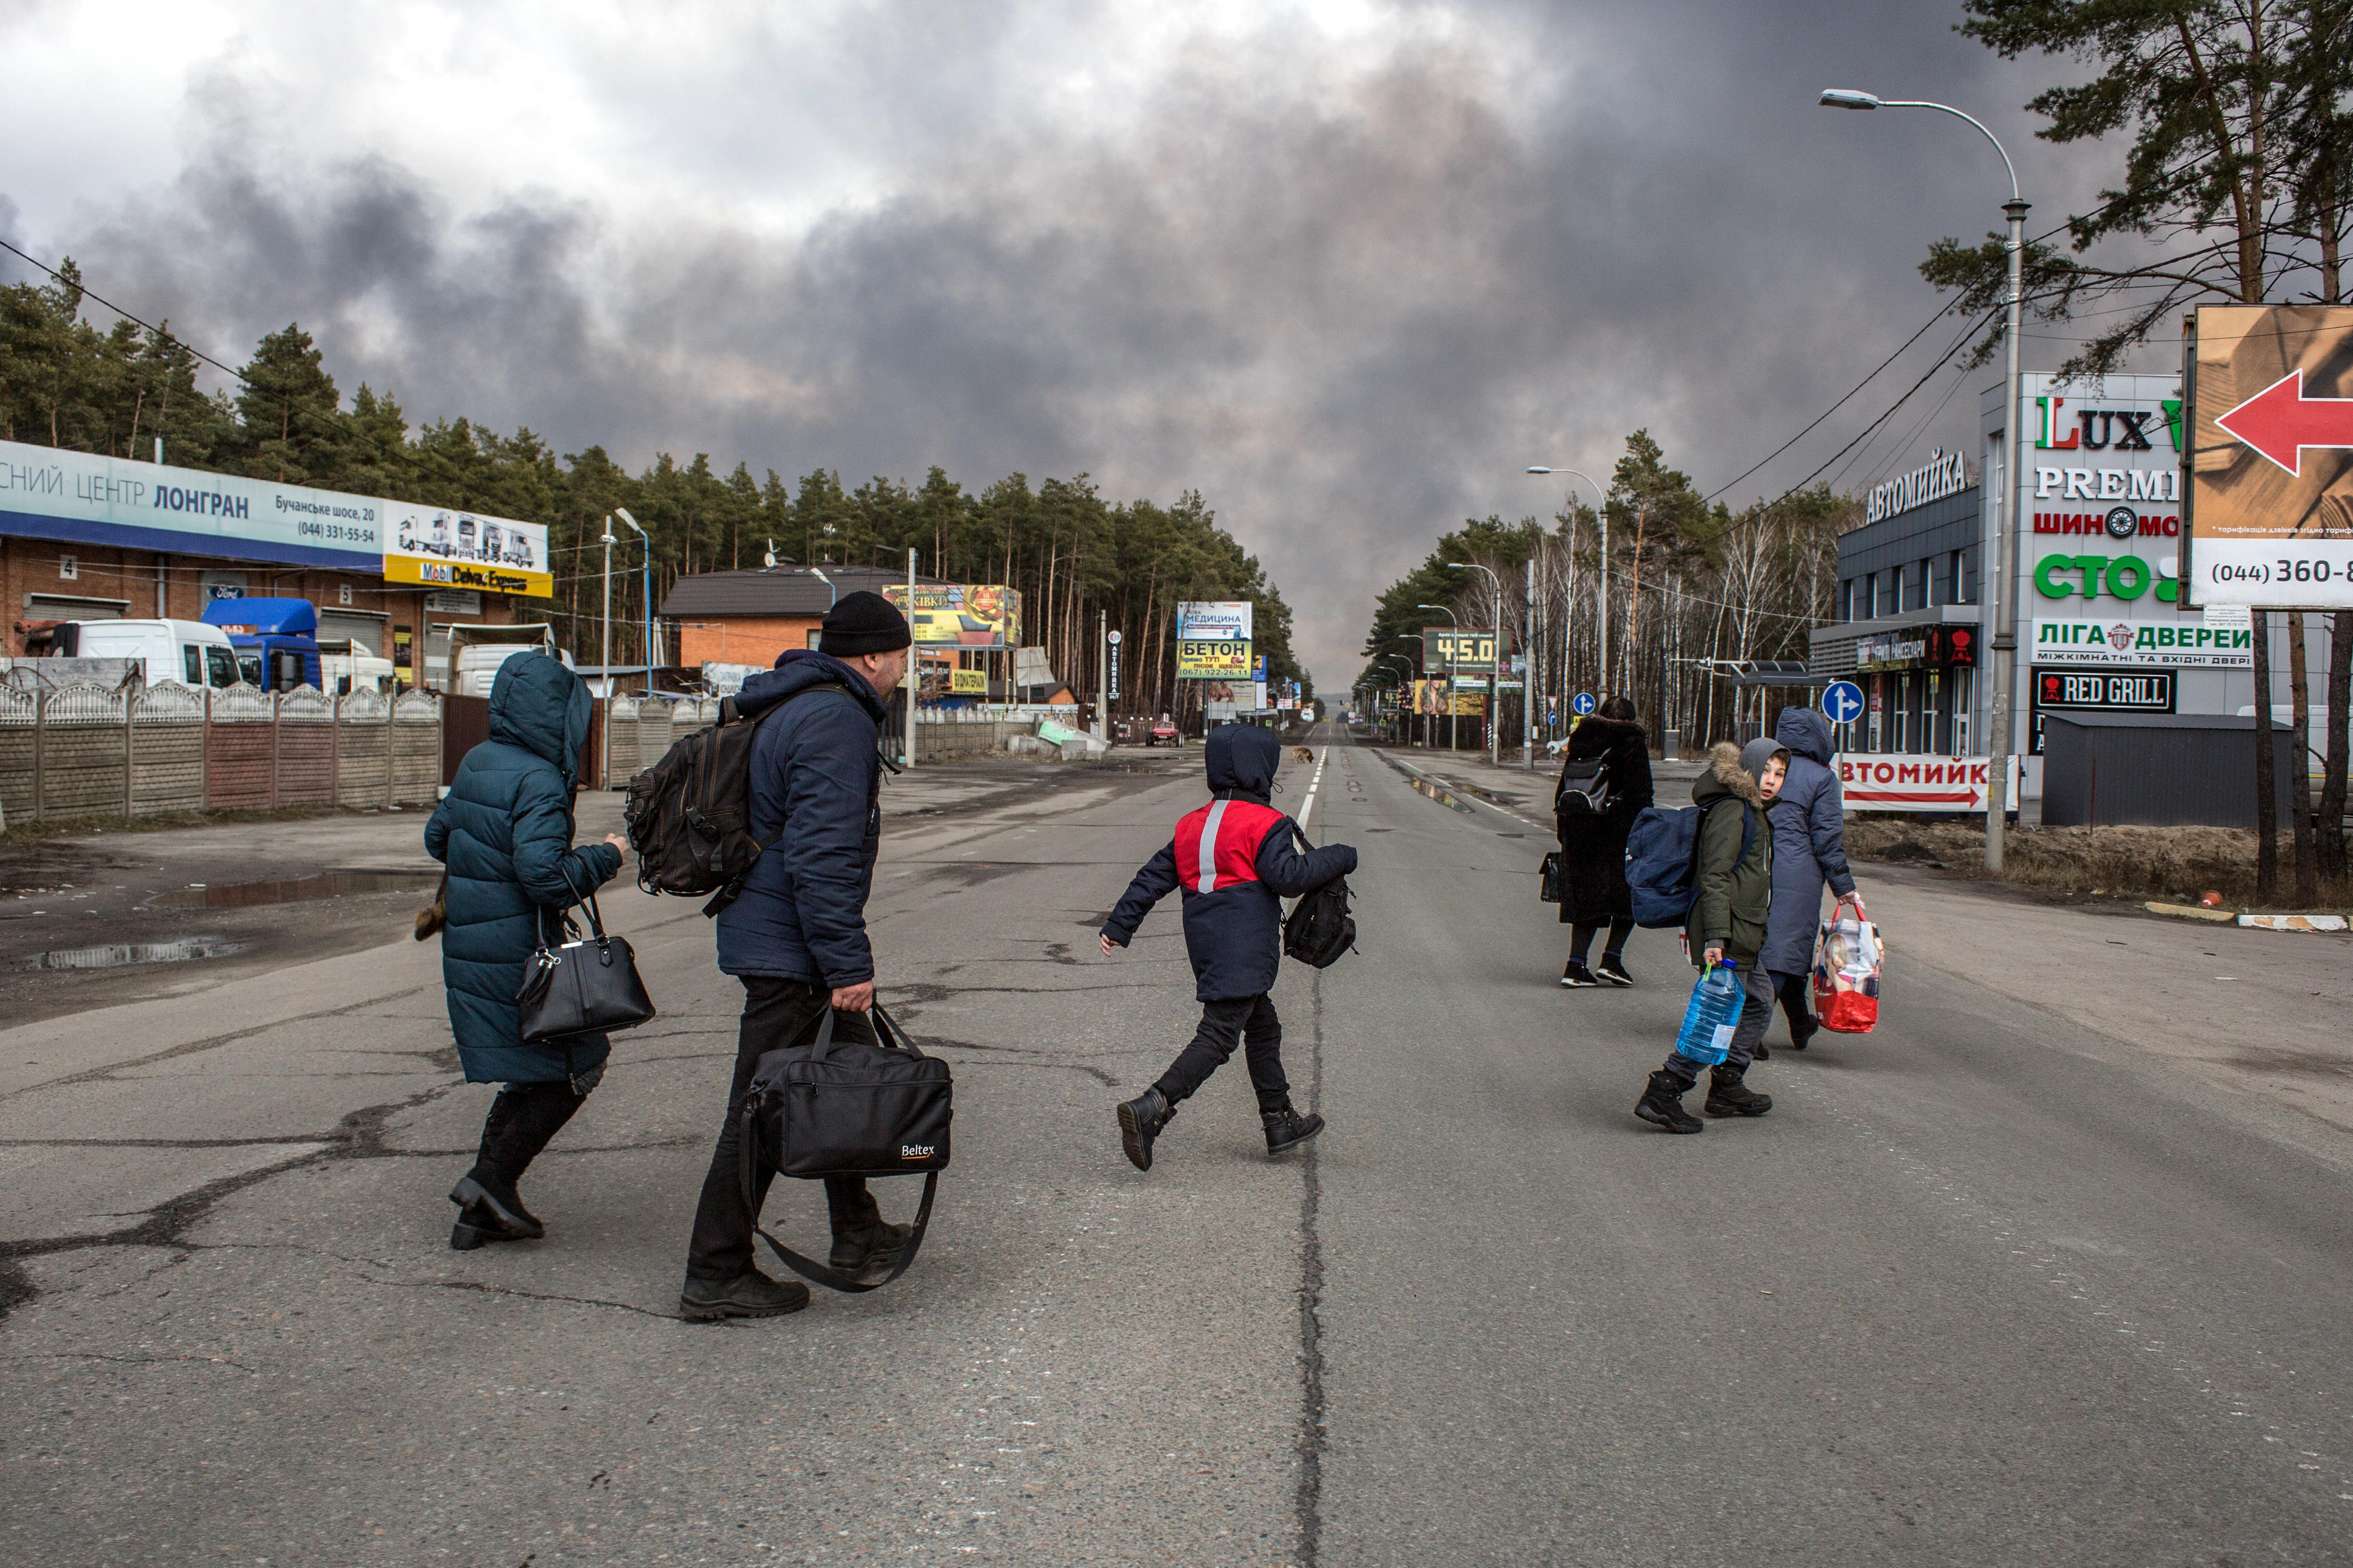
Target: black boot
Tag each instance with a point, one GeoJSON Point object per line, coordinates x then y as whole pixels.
{"type": "Point", "coordinates": [522, 1122]}
{"type": "Point", "coordinates": [1286, 1129]}
{"type": "Point", "coordinates": [1141, 1121]}
{"type": "Point", "coordinates": [1662, 1105]}
{"type": "Point", "coordinates": [1728, 1096]}
{"type": "Point", "coordinates": [750, 1294]}
{"type": "Point", "coordinates": [478, 1226]}
{"type": "Point", "coordinates": [867, 1253]}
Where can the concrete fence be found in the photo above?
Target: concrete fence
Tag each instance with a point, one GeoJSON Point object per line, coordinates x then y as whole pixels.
{"type": "Point", "coordinates": [83, 750]}
{"type": "Point", "coordinates": [638, 730]}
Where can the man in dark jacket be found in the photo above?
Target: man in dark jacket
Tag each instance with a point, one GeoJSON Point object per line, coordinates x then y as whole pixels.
{"type": "Point", "coordinates": [1728, 920]}
{"type": "Point", "coordinates": [1809, 821]}
{"type": "Point", "coordinates": [1237, 859]}
{"type": "Point", "coordinates": [1593, 891]}
{"type": "Point", "coordinates": [797, 936]}
{"type": "Point", "coordinates": [504, 831]}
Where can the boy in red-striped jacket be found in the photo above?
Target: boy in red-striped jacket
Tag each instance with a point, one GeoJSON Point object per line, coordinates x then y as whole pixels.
{"type": "Point", "coordinates": [1236, 859]}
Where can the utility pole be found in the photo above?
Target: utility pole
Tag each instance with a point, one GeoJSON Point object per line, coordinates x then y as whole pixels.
{"type": "Point", "coordinates": [912, 662]}
{"type": "Point", "coordinates": [604, 751]}
{"type": "Point", "coordinates": [1102, 675]}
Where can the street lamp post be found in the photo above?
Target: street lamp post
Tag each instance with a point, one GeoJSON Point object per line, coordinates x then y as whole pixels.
{"type": "Point", "coordinates": [1601, 583]}
{"type": "Point", "coordinates": [604, 751]}
{"type": "Point", "coordinates": [623, 513]}
{"type": "Point", "coordinates": [2001, 598]}
{"type": "Point", "coordinates": [1495, 665]}
{"type": "Point", "coordinates": [1410, 667]}
{"type": "Point", "coordinates": [1453, 724]}
{"type": "Point", "coordinates": [1404, 687]}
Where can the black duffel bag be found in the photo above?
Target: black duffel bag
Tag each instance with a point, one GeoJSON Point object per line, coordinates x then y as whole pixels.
{"type": "Point", "coordinates": [847, 1107]}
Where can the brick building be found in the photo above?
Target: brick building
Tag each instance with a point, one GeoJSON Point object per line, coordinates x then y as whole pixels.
{"type": "Point", "coordinates": [750, 617]}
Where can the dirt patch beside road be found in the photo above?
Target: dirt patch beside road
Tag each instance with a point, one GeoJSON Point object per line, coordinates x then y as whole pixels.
{"type": "Point", "coordinates": [2175, 864]}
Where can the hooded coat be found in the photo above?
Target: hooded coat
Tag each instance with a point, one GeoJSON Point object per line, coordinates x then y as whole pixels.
{"type": "Point", "coordinates": [816, 798]}
{"type": "Point", "coordinates": [1593, 847]}
{"type": "Point", "coordinates": [1237, 858]}
{"type": "Point", "coordinates": [504, 831]}
{"type": "Point", "coordinates": [1734, 890]}
{"type": "Point", "coordinates": [1809, 820]}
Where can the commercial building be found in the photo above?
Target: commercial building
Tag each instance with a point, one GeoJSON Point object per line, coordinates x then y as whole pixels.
{"type": "Point", "coordinates": [749, 617]}
{"type": "Point", "coordinates": [84, 537]}
{"type": "Point", "coordinates": [2100, 623]}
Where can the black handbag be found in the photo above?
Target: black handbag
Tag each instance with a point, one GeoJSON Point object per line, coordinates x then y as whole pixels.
{"type": "Point", "coordinates": [584, 986]}
{"type": "Point", "coordinates": [848, 1108]}
{"type": "Point", "coordinates": [1548, 878]}
{"type": "Point", "coordinates": [1319, 928]}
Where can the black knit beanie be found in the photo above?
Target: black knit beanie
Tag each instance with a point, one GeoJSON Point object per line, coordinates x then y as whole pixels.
{"type": "Point", "coordinates": [863, 623]}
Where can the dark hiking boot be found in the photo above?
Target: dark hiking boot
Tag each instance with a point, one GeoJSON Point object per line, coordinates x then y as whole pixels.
{"type": "Point", "coordinates": [1286, 1129]}
{"type": "Point", "coordinates": [1662, 1105]}
{"type": "Point", "coordinates": [1576, 977]}
{"type": "Point", "coordinates": [1141, 1121]}
{"type": "Point", "coordinates": [496, 1199]}
{"type": "Point", "coordinates": [867, 1253]}
{"type": "Point", "coordinates": [1613, 969]}
{"type": "Point", "coordinates": [750, 1294]}
{"type": "Point", "coordinates": [1728, 1096]}
{"type": "Point", "coordinates": [478, 1226]}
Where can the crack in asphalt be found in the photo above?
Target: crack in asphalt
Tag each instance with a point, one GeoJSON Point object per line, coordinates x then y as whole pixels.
{"type": "Point", "coordinates": [478, 1288]}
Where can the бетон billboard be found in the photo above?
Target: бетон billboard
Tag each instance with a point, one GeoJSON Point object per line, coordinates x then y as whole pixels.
{"type": "Point", "coordinates": [2271, 472]}
{"type": "Point", "coordinates": [1213, 640]}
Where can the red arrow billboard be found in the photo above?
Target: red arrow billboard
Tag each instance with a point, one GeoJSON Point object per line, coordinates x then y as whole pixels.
{"type": "Point", "coordinates": [2280, 422]}
{"type": "Point", "coordinates": [2268, 485]}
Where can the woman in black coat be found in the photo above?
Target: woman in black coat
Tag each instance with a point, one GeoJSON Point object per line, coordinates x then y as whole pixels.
{"type": "Point", "coordinates": [1593, 844]}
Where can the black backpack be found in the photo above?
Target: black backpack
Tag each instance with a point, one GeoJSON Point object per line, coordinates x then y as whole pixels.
{"type": "Point", "coordinates": [1319, 928]}
{"type": "Point", "coordinates": [1584, 788]}
{"type": "Point", "coordinates": [847, 1107]}
{"type": "Point", "coordinates": [690, 815]}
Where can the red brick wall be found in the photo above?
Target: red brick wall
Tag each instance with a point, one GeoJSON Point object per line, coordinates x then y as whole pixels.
{"type": "Point", "coordinates": [745, 640]}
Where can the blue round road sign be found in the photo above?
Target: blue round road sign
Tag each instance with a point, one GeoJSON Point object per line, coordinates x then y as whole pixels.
{"type": "Point", "coordinates": [1842, 701]}
{"type": "Point", "coordinates": [1581, 704]}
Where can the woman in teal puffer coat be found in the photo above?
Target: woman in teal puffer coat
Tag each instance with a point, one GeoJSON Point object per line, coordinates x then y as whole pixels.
{"type": "Point", "coordinates": [504, 831]}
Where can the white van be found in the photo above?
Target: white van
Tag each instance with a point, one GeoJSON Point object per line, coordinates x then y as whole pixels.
{"type": "Point", "coordinates": [172, 653]}
{"type": "Point", "coordinates": [346, 666]}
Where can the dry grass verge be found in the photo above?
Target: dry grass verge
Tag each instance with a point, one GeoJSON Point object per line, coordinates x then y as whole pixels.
{"type": "Point", "coordinates": [29, 831]}
{"type": "Point", "coordinates": [2175, 864]}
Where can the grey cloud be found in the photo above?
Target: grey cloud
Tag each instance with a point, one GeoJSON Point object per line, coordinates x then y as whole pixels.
{"type": "Point", "coordinates": [1350, 319]}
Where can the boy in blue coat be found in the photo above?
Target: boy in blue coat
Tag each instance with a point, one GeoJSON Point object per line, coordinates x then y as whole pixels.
{"type": "Point", "coordinates": [1237, 858]}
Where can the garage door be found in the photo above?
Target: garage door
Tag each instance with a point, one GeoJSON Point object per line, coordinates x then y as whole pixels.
{"type": "Point", "coordinates": [364, 631]}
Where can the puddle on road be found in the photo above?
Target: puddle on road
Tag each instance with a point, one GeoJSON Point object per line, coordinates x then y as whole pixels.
{"type": "Point", "coordinates": [326, 885]}
{"type": "Point", "coordinates": [1443, 796]}
{"type": "Point", "coordinates": [120, 953]}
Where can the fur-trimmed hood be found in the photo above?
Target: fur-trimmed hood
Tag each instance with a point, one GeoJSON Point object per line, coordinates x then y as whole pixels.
{"type": "Point", "coordinates": [1725, 776]}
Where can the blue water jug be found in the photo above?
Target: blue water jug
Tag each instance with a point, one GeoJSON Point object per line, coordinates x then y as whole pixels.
{"type": "Point", "coordinates": [1714, 1011]}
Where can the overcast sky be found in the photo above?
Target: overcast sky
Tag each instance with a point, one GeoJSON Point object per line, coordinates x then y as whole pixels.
{"type": "Point", "coordinates": [1345, 267]}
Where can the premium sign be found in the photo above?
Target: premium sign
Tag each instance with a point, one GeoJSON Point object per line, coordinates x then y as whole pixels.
{"type": "Point", "coordinates": [1899, 783]}
{"type": "Point", "coordinates": [2147, 643]}
{"type": "Point", "coordinates": [1945, 474]}
{"type": "Point", "coordinates": [2270, 473]}
{"type": "Point", "coordinates": [961, 614]}
{"type": "Point", "coordinates": [54, 494]}
{"type": "Point", "coordinates": [444, 549]}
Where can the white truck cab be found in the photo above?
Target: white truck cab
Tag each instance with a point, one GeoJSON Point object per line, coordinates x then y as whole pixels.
{"type": "Point", "coordinates": [172, 653]}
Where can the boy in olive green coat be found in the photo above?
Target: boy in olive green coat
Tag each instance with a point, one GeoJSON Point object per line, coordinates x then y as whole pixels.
{"type": "Point", "coordinates": [1728, 921]}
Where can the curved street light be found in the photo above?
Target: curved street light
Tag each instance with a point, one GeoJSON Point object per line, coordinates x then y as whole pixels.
{"type": "Point", "coordinates": [1453, 723]}
{"type": "Point", "coordinates": [1601, 588]}
{"type": "Point", "coordinates": [2000, 606]}
{"type": "Point", "coordinates": [1495, 667]}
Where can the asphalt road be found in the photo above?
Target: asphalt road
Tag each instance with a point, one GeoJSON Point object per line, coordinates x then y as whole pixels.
{"type": "Point", "coordinates": [1988, 1286]}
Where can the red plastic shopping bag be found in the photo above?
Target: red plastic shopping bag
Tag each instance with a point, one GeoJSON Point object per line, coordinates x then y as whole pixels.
{"type": "Point", "coordinates": [1847, 954]}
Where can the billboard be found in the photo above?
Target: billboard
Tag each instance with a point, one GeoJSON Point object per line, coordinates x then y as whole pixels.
{"type": "Point", "coordinates": [54, 494]}
{"type": "Point", "coordinates": [968, 682]}
{"type": "Point", "coordinates": [1223, 621]}
{"type": "Point", "coordinates": [1206, 658]}
{"type": "Point", "coordinates": [1451, 647]}
{"type": "Point", "coordinates": [961, 614]}
{"type": "Point", "coordinates": [2270, 505]}
{"type": "Point", "coordinates": [442, 548]}
{"type": "Point", "coordinates": [1905, 783]}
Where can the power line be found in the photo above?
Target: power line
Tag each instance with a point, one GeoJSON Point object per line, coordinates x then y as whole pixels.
{"type": "Point", "coordinates": [90, 293]}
